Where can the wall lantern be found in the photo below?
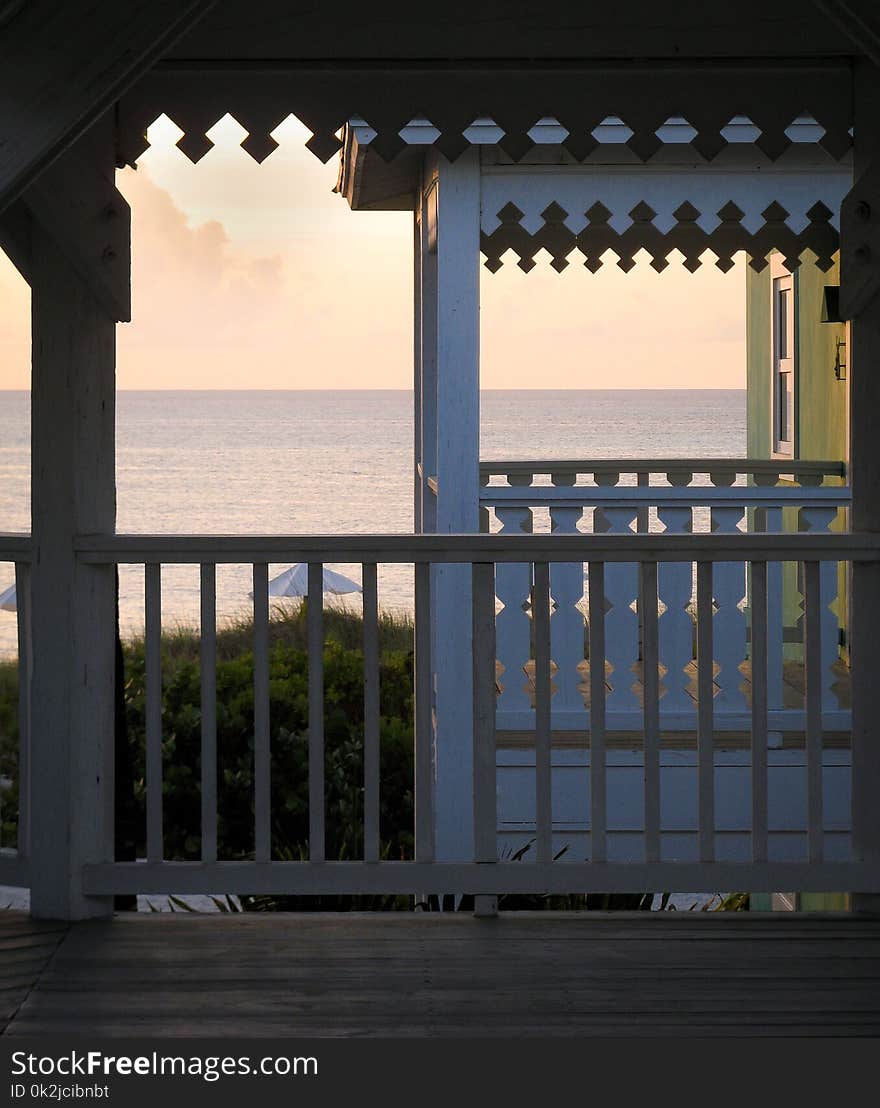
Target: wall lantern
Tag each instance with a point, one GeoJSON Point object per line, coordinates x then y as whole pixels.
{"type": "Point", "coordinates": [831, 314]}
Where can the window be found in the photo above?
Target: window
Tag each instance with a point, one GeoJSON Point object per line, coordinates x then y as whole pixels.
{"type": "Point", "coordinates": [783, 375]}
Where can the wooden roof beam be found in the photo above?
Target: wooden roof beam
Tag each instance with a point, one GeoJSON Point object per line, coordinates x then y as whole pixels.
{"type": "Point", "coordinates": [15, 237]}
{"type": "Point", "coordinates": [64, 65]}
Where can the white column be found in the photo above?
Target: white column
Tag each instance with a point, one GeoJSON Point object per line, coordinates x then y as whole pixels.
{"type": "Point", "coordinates": [73, 606]}
{"type": "Point", "coordinates": [458, 444]}
{"type": "Point", "coordinates": [858, 224]}
{"type": "Point", "coordinates": [418, 452]}
{"type": "Point", "coordinates": [427, 340]}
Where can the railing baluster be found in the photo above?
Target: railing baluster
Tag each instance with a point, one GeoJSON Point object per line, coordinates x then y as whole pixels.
{"type": "Point", "coordinates": [371, 712]}
{"type": "Point", "coordinates": [485, 805]}
{"type": "Point", "coordinates": [424, 726]}
{"type": "Point", "coordinates": [676, 584]}
{"type": "Point", "coordinates": [513, 629]}
{"type": "Point", "coordinates": [821, 520]}
{"type": "Point", "coordinates": [598, 814]}
{"type": "Point", "coordinates": [729, 586]}
{"type": "Point", "coordinates": [651, 688]}
{"type": "Point", "coordinates": [813, 699]}
{"type": "Point", "coordinates": [622, 628]}
{"type": "Point", "coordinates": [705, 715]}
{"type": "Point", "coordinates": [262, 755]}
{"type": "Point", "coordinates": [543, 781]}
{"type": "Point", "coordinates": [23, 606]}
{"type": "Point", "coordinates": [153, 707]}
{"type": "Point", "coordinates": [315, 620]}
{"type": "Point", "coordinates": [775, 618]}
{"type": "Point", "coordinates": [567, 624]}
{"type": "Point", "coordinates": [759, 710]}
{"type": "Point", "coordinates": [208, 652]}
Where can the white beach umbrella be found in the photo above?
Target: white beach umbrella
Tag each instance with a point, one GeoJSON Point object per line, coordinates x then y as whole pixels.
{"type": "Point", "coordinates": [295, 582]}
{"type": "Point", "coordinates": [7, 600]}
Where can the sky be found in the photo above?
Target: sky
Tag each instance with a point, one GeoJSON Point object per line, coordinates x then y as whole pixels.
{"type": "Point", "coordinates": [260, 277]}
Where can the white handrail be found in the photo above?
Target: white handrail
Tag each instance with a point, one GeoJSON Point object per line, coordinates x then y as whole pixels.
{"type": "Point", "coordinates": [226, 549]}
{"type": "Point", "coordinates": [647, 496]}
{"type": "Point", "coordinates": [727, 466]}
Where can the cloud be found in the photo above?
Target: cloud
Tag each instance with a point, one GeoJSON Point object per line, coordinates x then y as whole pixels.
{"type": "Point", "coordinates": [217, 309]}
{"type": "Point", "coordinates": [193, 291]}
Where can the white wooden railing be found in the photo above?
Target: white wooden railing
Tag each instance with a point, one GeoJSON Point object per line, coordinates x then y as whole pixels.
{"type": "Point", "coordinates": [808, 850]}
{"type": "Point", "coordinates": [14, 868]}
{"type": "Point", "coordinates": [676, 497]}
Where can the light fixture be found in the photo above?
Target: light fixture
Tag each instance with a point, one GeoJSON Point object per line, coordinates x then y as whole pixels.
{"type": "Point", "coordinates": [831, 314]}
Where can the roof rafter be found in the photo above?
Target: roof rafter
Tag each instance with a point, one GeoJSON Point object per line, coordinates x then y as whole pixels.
{"type": "Point", "coordinates": [63, 65]}
{"type": "Point", "coordinates": [853, 18]}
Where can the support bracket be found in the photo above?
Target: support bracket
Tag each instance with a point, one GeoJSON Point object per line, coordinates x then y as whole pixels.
{"type": "Point", "coordinates": [90, 221]}
{"type": "Point", "coordinates": [860, 244]}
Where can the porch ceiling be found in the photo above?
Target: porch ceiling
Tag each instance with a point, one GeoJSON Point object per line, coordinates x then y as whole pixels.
{"type": "Point", "coordinates": [259, 29]}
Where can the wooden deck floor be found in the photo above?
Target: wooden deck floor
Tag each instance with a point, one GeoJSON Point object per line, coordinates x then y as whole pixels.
{"type": "Point", "coordinates": [538, 974]}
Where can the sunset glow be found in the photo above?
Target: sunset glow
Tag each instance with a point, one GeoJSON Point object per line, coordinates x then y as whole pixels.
{"type": "Point", "coordinates": [259, 277]}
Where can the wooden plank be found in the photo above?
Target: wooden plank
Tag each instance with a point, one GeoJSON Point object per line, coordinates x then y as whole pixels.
{"type": "Point", "coordinates": [857, 21]}
{"type": "Point", "coordinates": [26, 948]}
{"type": "Point", "coordinates": [705, 714]}
{"type": "Point", "coordinates": [813, 699]}
{"type": "Point", "coordinates": [513, 625]}
{"type": "Point", "coordinates": [427, 338]}
{"type": "Point", "coordinates": [208, 681]}
{"type": "Point", "coordinates": [424, 727]}
{"type": "Point", "coordinates": [458, 548]}
{"type": "Point", "coordinates": [63, 66]}
{"type": "Point", "coordinates": [484, 772]}
{"type": "Point", "coordinates": [73, 607]}
{"type": "Point", "coordinates": [309, 878]}
{"type": "Point", "coordinates": [25, 667]}
{"type": "Point", "coordinates": [90, 221]}
{"type": "Point", "coordinates": [651, 685]}
{"type": "Point", "coordinates": [721, 466]}
{"type": "Point", "coordinates": [457, 334]}
{"type": "Point", "coordinates": [15, 548]}
{"type": "Point", "coordinates": [864, 448]}
{"type": "Point", "coordinates": [642, 497]}
{"type": "Point", "coordinates": [262, 753]}
{"type": "Point", "coordinates": [14, 870]}
{"type": "Point", "coordinates": [543, 770]}
{"type": "Point", "coordinates": [153, 708]}
{"type": "Point", "coordinates": [315, 623]}
{"type": "Point", "coordinates": [234, 33]}
{"type": "Point", "coordinates": [598, 780]}
{"type": "Point", "coordinates": [371, 711]}
{"type": "Point", "coordinates": [418, 402]}
{"type": "Point", "coordinates": [759, 709]}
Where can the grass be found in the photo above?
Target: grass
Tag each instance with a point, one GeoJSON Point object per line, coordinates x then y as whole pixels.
{"type": "Point", "coordinates": [287, 628]}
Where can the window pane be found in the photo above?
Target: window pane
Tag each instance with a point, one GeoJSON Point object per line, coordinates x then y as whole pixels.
{"type": "Point", "coordinates": [785, 407]}
{"type": "Point", "coordinates": [782, 310]}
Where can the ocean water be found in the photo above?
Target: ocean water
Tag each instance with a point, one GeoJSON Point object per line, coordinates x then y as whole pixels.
{"type": "Point", "coordinates": [331, 462]}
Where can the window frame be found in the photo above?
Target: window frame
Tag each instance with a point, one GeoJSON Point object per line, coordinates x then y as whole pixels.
{"type": "Point", "coordinates": [781, 280]}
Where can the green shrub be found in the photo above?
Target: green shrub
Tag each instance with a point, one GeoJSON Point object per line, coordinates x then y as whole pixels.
{"type": "Point", "coordinates": [288, 709]}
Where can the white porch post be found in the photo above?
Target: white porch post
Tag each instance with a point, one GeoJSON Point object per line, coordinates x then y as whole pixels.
{"type": "Point", "coordinates": [457, 467]}
{"type": "Point", "coordinates": [418, 451]}
{"type": "Point", "coordinates": [860, 298]}
{"type": "Point", "coordinates": [426, 341]}
{"type": "Point", "coordinates": [73, 493]}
